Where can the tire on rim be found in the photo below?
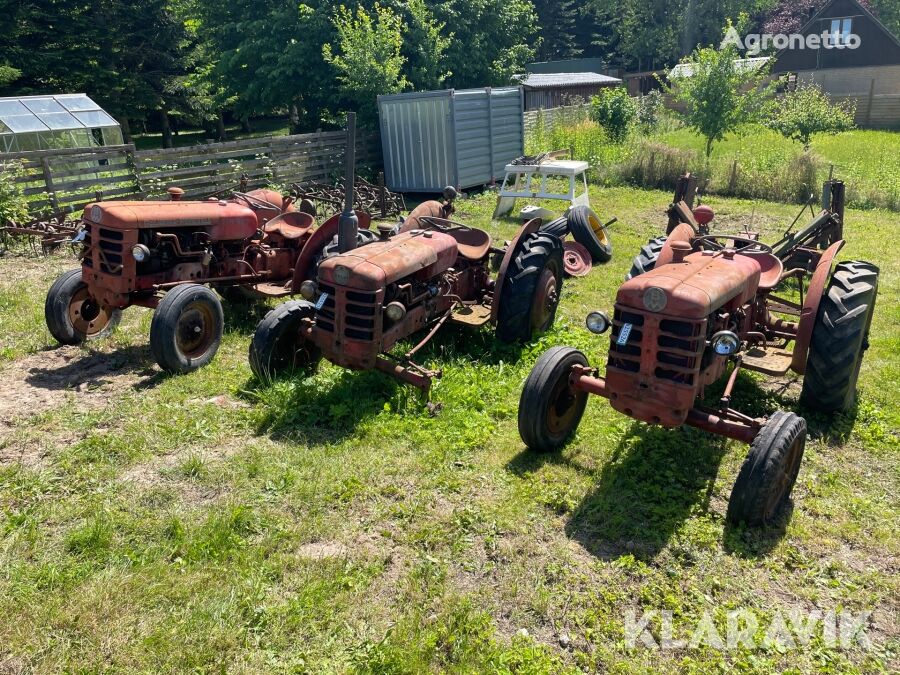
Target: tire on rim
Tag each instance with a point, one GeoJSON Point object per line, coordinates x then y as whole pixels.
{"type": "Point", "coordinates": [646, 259]}
{"type": "Point", "coordinates": [558, 227]}
{"type": "Point", "coordinates": [531, 288]}
{"type": "Point", "coordinates": [840, 338]}
{"type": "Point", "coordinates": [549, 408]}
{"type": "Point", "coordinates": [187, 328]}
{"type": "Point", "coordinates": [769, 471]}
{"type": "Point", "coordinates": [72, 315]}
{"type": "Point", "coordinates": [587, 229]}
{"type": "Point", "coordinates": [276, 349]}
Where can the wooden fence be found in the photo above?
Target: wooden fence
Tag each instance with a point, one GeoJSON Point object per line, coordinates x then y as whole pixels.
{"type": "Point", "coordinates": [548, 117]}
{"type": "Point", "coordinates": [66, 180]}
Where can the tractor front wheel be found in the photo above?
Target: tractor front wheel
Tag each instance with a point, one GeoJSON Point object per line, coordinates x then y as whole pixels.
{"type": "Point", "coordinates": [587, 229]}
{"type": "Point", "coordinates": [187, 328]}
{"type": "Point", "coordinates": [646, 259]}
{"type": "Point", "coordinates": [840, 337]}
{"type": "Point", "coordinates": [73, 315]}
{"type": "Point", "coordinates": [531, 288]}
{"type": "Point", "coordinates": [769, 471]}
{"type": "Point", "coordinates": [276, 348]}
{"type": "Point", "coordinates": [550, 408]}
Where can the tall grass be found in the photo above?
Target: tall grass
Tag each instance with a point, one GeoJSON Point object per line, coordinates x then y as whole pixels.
{"type": "Point", "coordinates": [756, 163]}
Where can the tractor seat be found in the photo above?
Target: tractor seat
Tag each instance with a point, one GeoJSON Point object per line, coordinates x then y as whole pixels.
{"type": "Point", "coordinates": [771, 269]}
{"type": "Point", "coordinates": [291, 225]}
{"type": "Point", "coordinates": [472, 244]}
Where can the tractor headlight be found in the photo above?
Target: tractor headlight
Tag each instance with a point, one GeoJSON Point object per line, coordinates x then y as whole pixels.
{"type": "Point", "coordinates": [308, 290]}
{"type": "Point", "coordinates": [395, 311]}
{"type": "Point", "coordinates": [725, 343]}
{"type": "Point", "coordinates": [597, 322]}
{"type": "Point", "coordinates": [140, 252]}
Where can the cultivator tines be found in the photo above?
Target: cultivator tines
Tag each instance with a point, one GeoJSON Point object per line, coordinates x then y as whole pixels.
{"type": "Point", "coordinates": [376, 200]}
{"type": "Point", "coordinates": [50, 232]}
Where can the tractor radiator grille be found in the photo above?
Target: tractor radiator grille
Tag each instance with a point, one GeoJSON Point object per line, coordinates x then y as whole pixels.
{"type": "Point", "coordinates": [108, 252]}
{"type": "Point", "coordinates": [661, 347]}
{"type": "Point", "coordinates": [360, 311]}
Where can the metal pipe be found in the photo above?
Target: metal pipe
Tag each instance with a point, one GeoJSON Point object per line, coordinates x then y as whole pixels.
{"type": "Point", "coordinates": [714, 424]}
{"type": "Point", "coordinates": [348, 225]}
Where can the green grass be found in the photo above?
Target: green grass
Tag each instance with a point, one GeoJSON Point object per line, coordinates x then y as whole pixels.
{"type": "Point", "coordinates": [331, 524]}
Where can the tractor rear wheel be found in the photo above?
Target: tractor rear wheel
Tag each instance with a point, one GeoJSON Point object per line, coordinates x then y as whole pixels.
{"type": "Point", "coordinates": [587, 229]}
{"type": "Point", "coordinates": [276, 349]}
{"type": "Point", "coordinates": [186, 329]}
{"type": "Point", "coordinates": [769, 471]}
{"type": "Point", "coordinates": [840, 337]}
{"type": "Point", "coordinates": [549, 408]}
{"type": "Point", "coordinates": [73, 316]}
{"type": "Point", "coordinates": [646, 259]}
{"type": "Point", "coordinates": [531, 288]}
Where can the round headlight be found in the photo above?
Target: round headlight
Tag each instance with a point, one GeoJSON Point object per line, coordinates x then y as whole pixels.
{"type": "Point", "coordinates": [725, 343]}
{"type": "Point", "coordinates": [395, 311]}
{"type": "Point", "coordinates": [597, 322]}
{"type": "Point", "coordinates": [140, 252]}
{"type": "Point", "coordinates": [308, 290]}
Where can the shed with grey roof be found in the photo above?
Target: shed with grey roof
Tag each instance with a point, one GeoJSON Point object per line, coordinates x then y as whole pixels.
{"type": "Point", "coordinates": [552, 90]}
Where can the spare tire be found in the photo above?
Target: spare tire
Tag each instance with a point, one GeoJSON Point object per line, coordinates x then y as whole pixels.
{"type": "Point", "coordinates": [558, 227]}
{"type": "Point", "coordinates": [586, 227]}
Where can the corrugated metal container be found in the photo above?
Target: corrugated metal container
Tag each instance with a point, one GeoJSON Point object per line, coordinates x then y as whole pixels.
{"type": "Point", "coordinates": [462, 138]}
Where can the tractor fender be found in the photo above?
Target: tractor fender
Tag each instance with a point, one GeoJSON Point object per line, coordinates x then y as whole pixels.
{"type": "Point", "coordinates": [429, 209]}
{"type": "Point", "coordinates": [811, 307]}
{"type": "Point", "coordinates": [528, 228]}
{"type": "Point", "coordinates": [683, 232]}
{"type": "Point", "coordinates": [321, 236]}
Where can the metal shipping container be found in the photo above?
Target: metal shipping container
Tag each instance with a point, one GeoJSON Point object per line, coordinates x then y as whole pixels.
{"type": "Point", "coordinates": [461, 138]}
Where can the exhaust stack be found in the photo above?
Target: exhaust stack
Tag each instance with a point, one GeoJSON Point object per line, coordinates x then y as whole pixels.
{"type": "Point", "coordinates": [348, 225]}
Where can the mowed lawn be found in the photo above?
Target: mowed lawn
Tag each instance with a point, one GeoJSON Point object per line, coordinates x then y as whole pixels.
{"type": "Point", "coordinates": [206, 523]}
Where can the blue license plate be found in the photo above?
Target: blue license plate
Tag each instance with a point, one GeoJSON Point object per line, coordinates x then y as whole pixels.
{"type": "Point", "coordinates": [623, 335]}
{"type": "Point", "coordinates": [320, 303]}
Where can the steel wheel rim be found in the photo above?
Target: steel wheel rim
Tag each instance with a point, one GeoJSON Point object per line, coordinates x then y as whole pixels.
{"type": "Point", "coordinates": [562, 407]}
{"type": "Point", "coordinates": [194, 330]}
{"type": "Point", "coordinates": [88, 317]}
{"type": "Point", "coordinates": [545, 300]}
{"type": "Point", "coordinates": [597, 227]}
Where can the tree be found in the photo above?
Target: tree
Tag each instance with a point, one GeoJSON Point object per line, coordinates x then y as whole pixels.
{"type": "Point", "coordinates": [789, 16]}
{"type": "Point", "coordinates": [425, 46]}
{"type": "Point", "coordinates": [368, 60]}
{"type": "Point", "coordinates": [801, 114]}
{"type": "Point", "coordinates": [614, 110]}
{"type": "Point", "coordinates": [720, 91]}
{"type": "Point", "coordinates": [557, 21]}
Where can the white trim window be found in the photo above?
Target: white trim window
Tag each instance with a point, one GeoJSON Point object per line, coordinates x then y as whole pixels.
{"type": "Point", "coordinates": [840, 32]}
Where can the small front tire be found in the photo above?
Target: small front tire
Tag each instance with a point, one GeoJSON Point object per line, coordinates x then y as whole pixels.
{"type": "Point", "coordinates": [769, 471]}
{"type": "Point", "coordinates": [550, 408]}
{"type": "Point", "coordinates": [587, 229]}
{"type": "Point", "coordinates": [187, 327]}
{"type": "Point", "coordinates": [276, 349]}
{"type": "Point", "coordinates": [73, 316]}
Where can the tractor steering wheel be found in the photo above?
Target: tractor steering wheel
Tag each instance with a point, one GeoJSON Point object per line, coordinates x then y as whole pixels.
{"type": "Point", "coordinates": [748, 247]}
{"type": "Point", "coordinates": [257, 201]}
{"type": "Point", "coordinates": [442, 224]}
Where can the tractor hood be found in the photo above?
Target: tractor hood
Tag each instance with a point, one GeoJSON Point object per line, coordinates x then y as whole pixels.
{"type": "Point", "coordinates": [418, 254]}
{"type": "Point", "coordinates": [222, 220]}
{"type": "Point", "coordinates": [694, 288]}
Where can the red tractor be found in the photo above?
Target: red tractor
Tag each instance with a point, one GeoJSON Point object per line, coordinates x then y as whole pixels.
{"type": "Point", "coordinates": [707, 309]}
{"type": "Point", "coordinates": [431, 270]}
{"type": "Point", "coordinates": [170, 255]}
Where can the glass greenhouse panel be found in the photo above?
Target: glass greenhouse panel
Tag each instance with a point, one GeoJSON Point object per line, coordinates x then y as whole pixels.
{"type": "Point", "coordinates": [60, 120]}
{"type": "Point", "coordinates": [23, 123]}
{"type": "Point", "coordinates": [77, 102]}
{"type": "Point", "coordinates": [43, 105]}
{"type": "Point", "coordinates": [95, 118]}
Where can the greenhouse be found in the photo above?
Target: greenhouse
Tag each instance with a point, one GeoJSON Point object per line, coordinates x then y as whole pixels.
{"type": "Point", "coordinates": [54, 122]}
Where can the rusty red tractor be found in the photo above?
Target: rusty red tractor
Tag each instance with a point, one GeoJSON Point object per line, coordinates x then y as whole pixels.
{"type": "Point", "coordinates": [422, 275]}
{"type": "Point", "coordinates": [707, 309]}
{"type": "Point", "coordinates": [169, 255]}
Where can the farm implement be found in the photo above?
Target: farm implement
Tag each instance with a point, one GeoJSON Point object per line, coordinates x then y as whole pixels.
{"type": "Point", "coordinates": [430, 271]}
{"type": "Point", "coordinates": [703, 310]}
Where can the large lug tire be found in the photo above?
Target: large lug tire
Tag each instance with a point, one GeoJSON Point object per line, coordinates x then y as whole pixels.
{"type": "Point", "coordinates": [558, 227]}
{"type": "Point", "coordinates": [531, 288]}
{"type": "Point", "coordinates": [587, 229]}
{"type": "Point", "coordinates": [73, 316]}
{"type": "Point", "coordinates": [769, 471]}
{"type": "Point", "coordinates": [646, 259]}
{"type": "Point", "coordinates": [276, 349]}
{"type": "Point", "coordinates": [186, 330]}
{"type": "Point", "coordinates": [549, 408]}
{"type": "Point", "coordinates": [840, 337]}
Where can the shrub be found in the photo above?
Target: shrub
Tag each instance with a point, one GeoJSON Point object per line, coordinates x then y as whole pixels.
{"type": "Point", "coordinates": [656, 165]}
{"type": "Point", "coordinates": [614, 110]}
{"type": "Point", "coordinates": [807, 111]}
{"type": "Point", "coordinates": [13, 205]}
{"type": "Point", "coordinates": [649, 111]}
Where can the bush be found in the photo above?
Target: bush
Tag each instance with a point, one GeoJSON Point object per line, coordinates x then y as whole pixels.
{"type": "Point", "coordinates": [801, 114]}
{"type": "Point", "coordinates": [649, 111]}
{"type": "Point", "coordinates": [656, 165]}
{"type": "Point", "coordinates": [615, 111]}
{"type": "Point", "coordinates": [12, 202]}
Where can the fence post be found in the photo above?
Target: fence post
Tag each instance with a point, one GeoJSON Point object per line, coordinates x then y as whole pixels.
{"type": "Point", "coordinates": [48, 182]}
